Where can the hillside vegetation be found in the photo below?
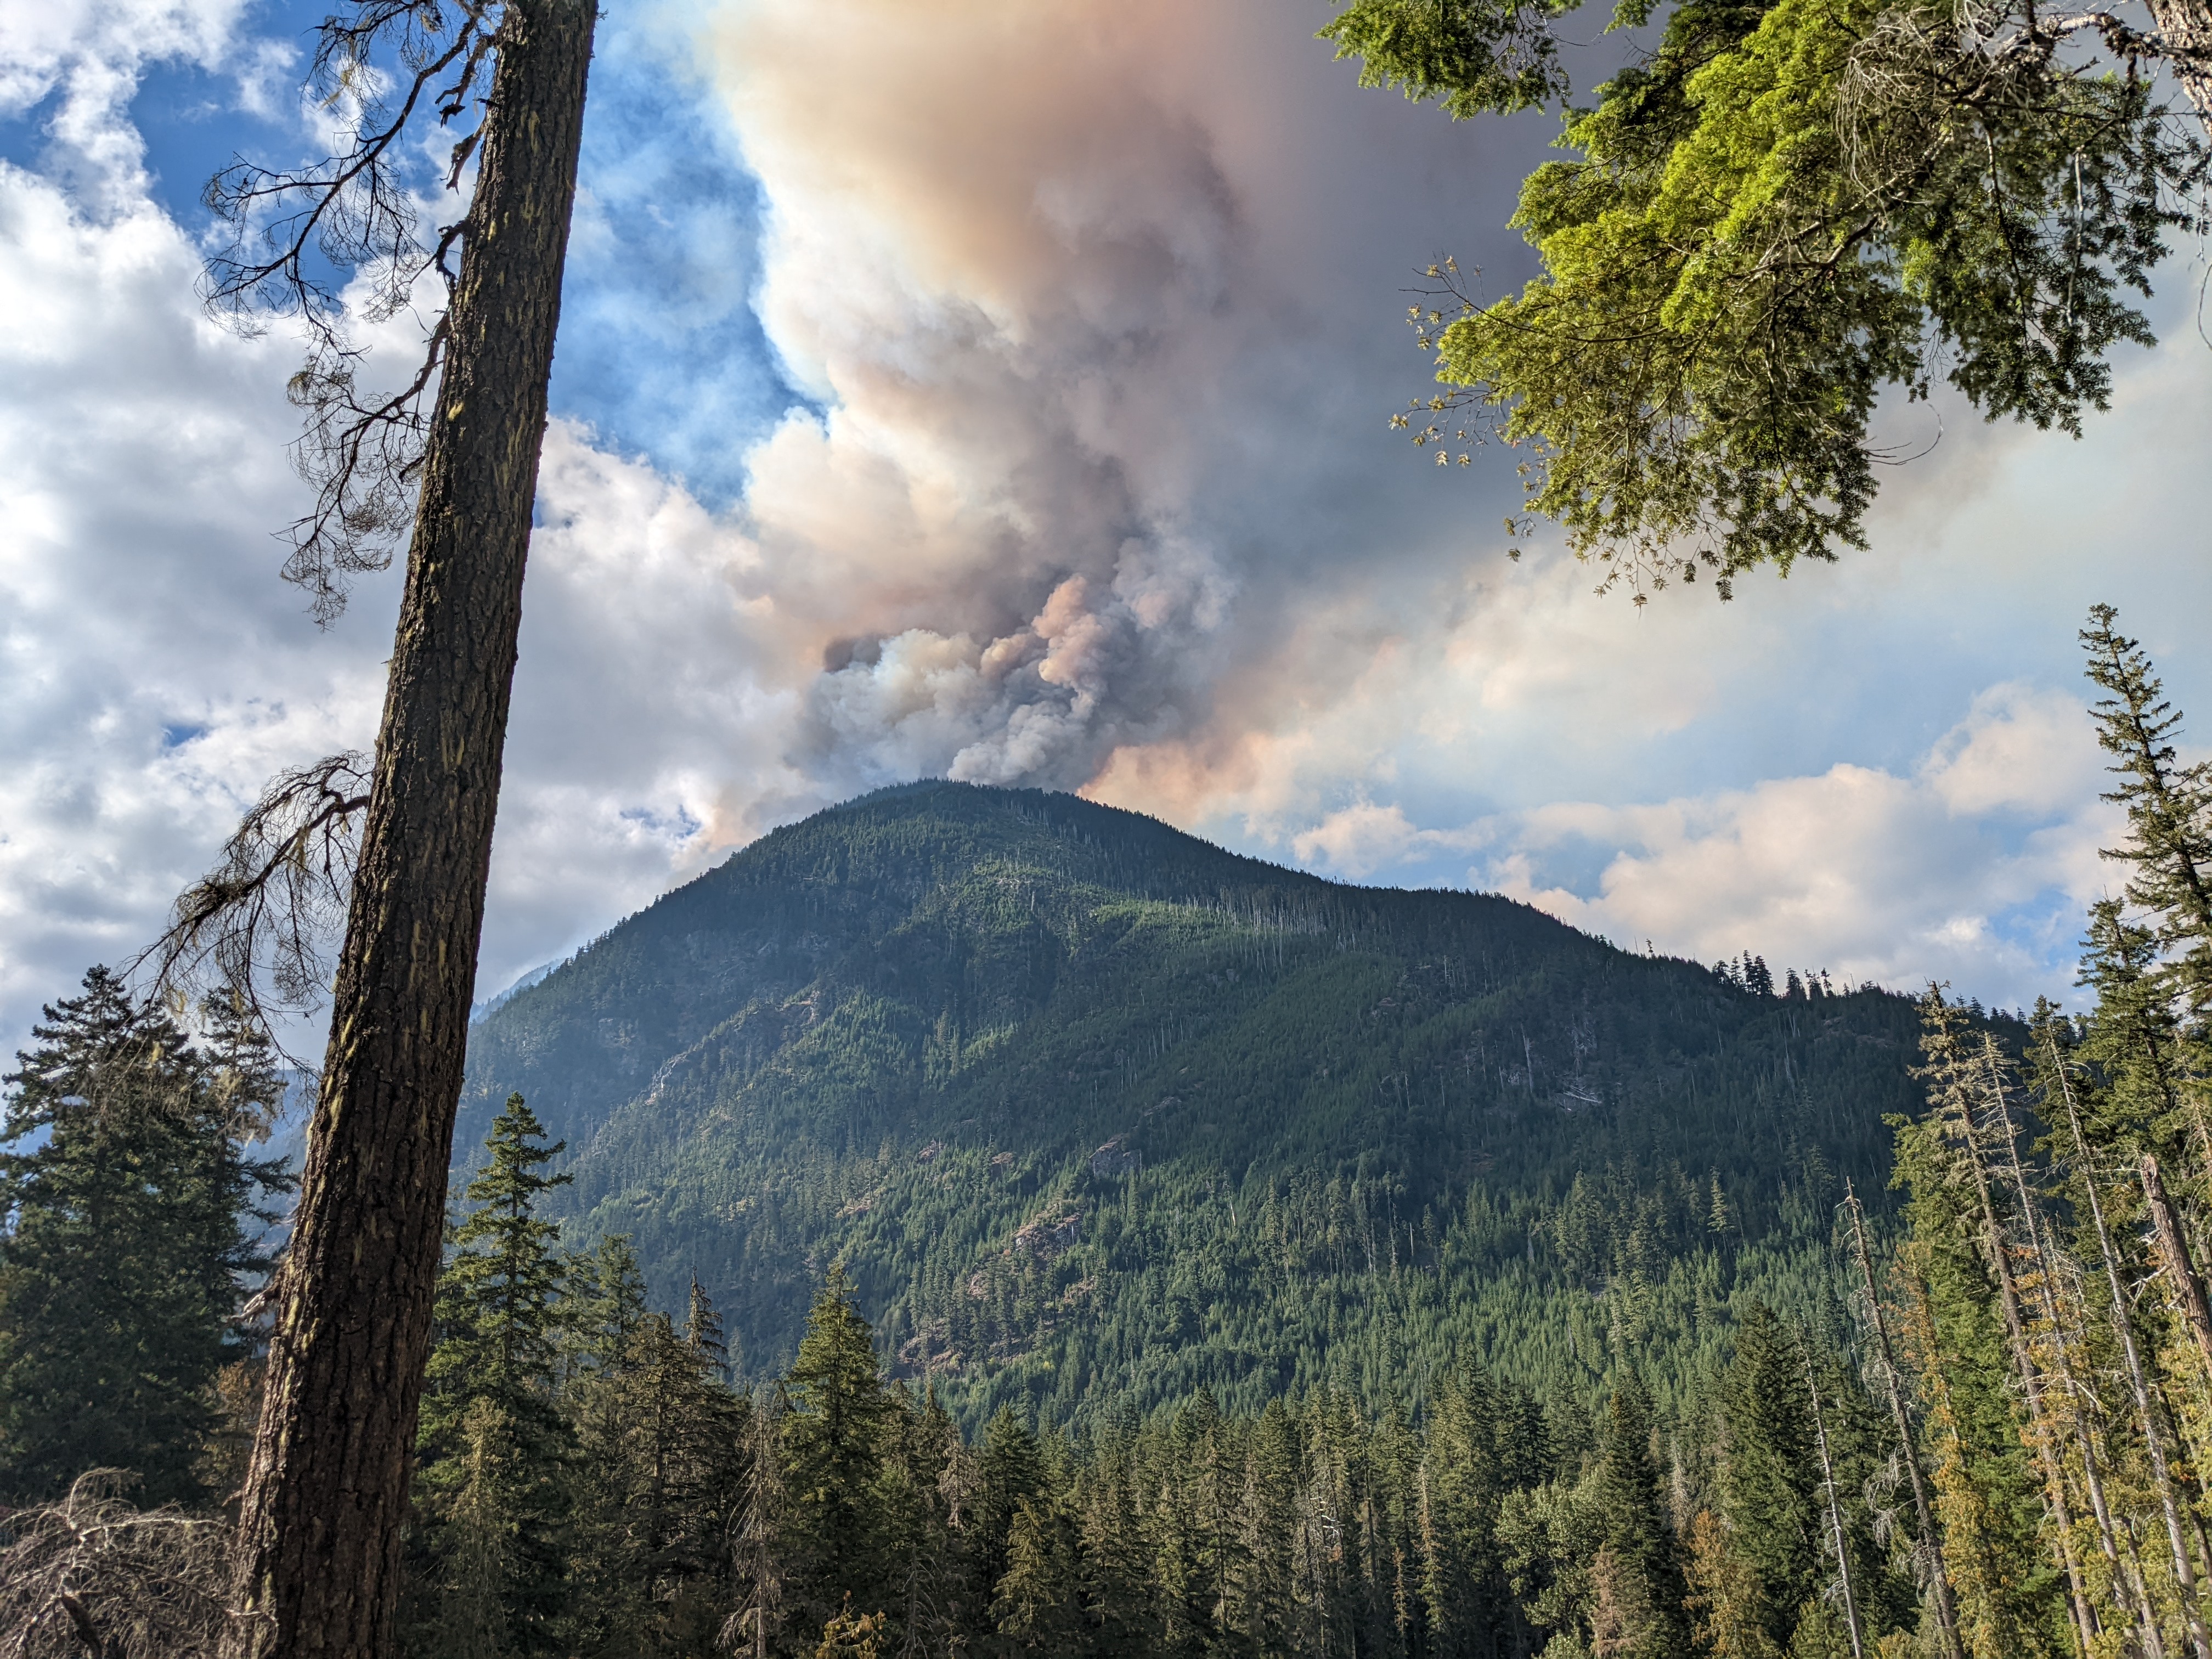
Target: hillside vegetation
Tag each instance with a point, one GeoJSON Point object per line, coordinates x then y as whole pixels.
{"type": "Point", "coordinates": [1096, 1114]}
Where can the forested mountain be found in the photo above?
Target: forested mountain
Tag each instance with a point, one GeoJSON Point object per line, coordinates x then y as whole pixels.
{"type": "Point", "coordinates": [1096, 1114]}
{"type": "Point", "coordinates": [1205, 1262]}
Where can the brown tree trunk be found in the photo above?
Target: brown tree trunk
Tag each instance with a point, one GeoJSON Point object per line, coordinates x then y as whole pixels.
{"type": "Point", "coordinates": [1946, 1618]}
{"type": "Point", "coordinates": [2039, 1415]}
{"type": "Point", "coordinates": [2181, 1271]}
{"type": "Point", "coordinates": [2184, 1573]}
{"type": "Point", "coordinates": [325, 1496]}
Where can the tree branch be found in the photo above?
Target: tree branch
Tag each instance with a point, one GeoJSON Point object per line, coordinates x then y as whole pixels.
{"type": "Point", "coordinates": [257, 927]}
{"type": "Point", "coordinates": [353, 212]}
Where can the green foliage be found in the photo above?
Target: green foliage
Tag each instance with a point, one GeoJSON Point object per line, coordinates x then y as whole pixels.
{"type": "Point", "coordinates": [1324, 1273]}
{"type": "Point", "coordinates": [2169, 807]}
{"type": "Point", "coordinates": [663, 1442]}
{"type": "Point", "coordinates": [837, 1442]}
{"type": "Point", "coordinates": [1473, 55]}
{"type": "Point", "coordinates": [1096, 1116]}
{"type": "Point", "coordinates": [1784, 212]}
{"type": "Point", "coordinates": [491, 1490]}
{"type": "Point", "coordinates": [132, 1227]}
{"type": "Point", "coordinates": [2055, 1327]}
{"type": "Point", "coordinates": [1641, 1586]}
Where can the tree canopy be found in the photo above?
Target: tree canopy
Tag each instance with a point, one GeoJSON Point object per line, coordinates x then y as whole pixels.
{"type": "Point", "coordinates": [131, 1215]}
{"type": "Point", "coordinates": [1777, 217]}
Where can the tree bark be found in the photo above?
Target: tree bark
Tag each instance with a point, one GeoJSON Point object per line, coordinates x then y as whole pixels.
{"type": "Point", "coordinates": [2181, 1271]}
{"type": "Point", "coordinates": [1946, 1618]}
{"type": "Point", "coordinates": [319, 1527]}
{"type": "Point", "coordinates": [2039, 1415]}
{"type": "Point", "coordinates": [2184, 1574]}
{"type": "Point", "coordinates": [1835, 1513]}
{"type": "Point", "coordinates": [2070, 1319]}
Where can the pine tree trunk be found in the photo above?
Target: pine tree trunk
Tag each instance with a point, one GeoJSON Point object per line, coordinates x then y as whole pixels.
{"type": "Point", "coordinates": [326, 1494]}
{"type": "Point", "coordinates": [2181, 1271]}
{"type": "Point", "coordinates": [2184, 1571]}
{"type": "Point", "coordinates": [1947, 1617]}
{"type": "Point", "coordinates": [1835, 1514]}
{"type": "Point", "coordinates": [2039, 1415]}
{"type": "Point", "coordinates": [2129, 1592]}
{"type": "Point", "coordinates": [2045, 1259]}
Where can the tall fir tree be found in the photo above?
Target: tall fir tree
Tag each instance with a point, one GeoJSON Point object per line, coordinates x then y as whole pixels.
{"type": "Point", "coordinates": [1009, 1473]}
{"type": "Point", "coordinates": [490, 1413]}
{"type": "Point", "coordinates": [1116, 1568]}
{"type": "Point", "coordinates": [659, 1491]}
{"type": "Point", "coordinates": [1770, 1477]}
{"type": "Point", "coordinates": [1036, 1603]}
{"type": "Point", "coordinates": [604, 1306]}
{"type": "Point", "coordinates": [838, 1429]}
{"type": "Point", "coordinates": [134, 1221]}
{"type": "Point", "coordinates": [2168, 803]}
{"type": "Point", "coordinates": [1631, 1501]}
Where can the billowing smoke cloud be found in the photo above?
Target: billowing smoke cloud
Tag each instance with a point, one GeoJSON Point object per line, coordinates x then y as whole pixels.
{"type": "Point", "coordinates": [1015, 412]}
{"type": "Point", "coordinates": [1052, 270]}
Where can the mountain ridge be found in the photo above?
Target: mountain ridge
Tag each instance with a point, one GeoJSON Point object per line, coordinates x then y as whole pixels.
{"type": "Point", "coordinates": [1076, 1093]}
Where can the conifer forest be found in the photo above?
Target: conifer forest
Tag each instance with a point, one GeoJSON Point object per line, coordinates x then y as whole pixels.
{"type": "Point", "coordinates": [1396, 1275]}
{"type": "Point", "coordinates": [971, 1219]}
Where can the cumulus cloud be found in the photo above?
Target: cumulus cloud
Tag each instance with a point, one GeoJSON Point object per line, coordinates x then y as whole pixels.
{"type": "Point", "coordinates": [998, 392]}
{"type": "Point", "coordinates": [140, 452]}
{"type": "Point", "coordinates": [1974, 864]}
{"type": "Point", "coordinates": [87, 58]}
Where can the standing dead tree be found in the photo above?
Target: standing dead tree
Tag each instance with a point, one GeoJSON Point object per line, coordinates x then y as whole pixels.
{"type": "Point", "coordinates": [448, 462]}
{"type": "Point", "coordinates": [1929, 1557]}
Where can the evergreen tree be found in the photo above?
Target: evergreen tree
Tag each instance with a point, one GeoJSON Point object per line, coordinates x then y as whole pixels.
{"type": "Point", "coordinates": [1201, 1541]}
{"type": "Point", "coordinates": [473, 1619]}
{"type": "Point", "coordinates": [1036, 1605]}
{"type": "Point", "coordinates": [604, 1304]}
{"type": "Point", "coordinates": [2148, 1064]}
{"type": "Point", "coordinates": [1770, 1477]}
{"type": "Point", "coordinates": [489, 1404]}
{"type": "Point", "coordinates": [1115, 1564]}
{"type": "Point", "coordinates": [1726, 1600]}
{"type": "Point", "coordinates": [837, 1432]}
{"type": "Point", "coordinates": [1009, 1473]}
{"type": "Point", "coordinates": [848, 1635]}
{"type": "Point", "coordinates": [2009, 1591]}
{"type": "Point", "coordinates": [756, 1545]}
{"type": "Point", "coordinates": [663, 1444]}
{"type": "Point", "coordinates": [1268, 1521]}
{"type": "Point", "coordinates": [131, 1224]}
{"type": "Point", "coordinates": [1645, 1565]}
{"type": "Point", "coordinates": [703, 1332]}
{"type": "Point", "coordinates": [2169, 805]}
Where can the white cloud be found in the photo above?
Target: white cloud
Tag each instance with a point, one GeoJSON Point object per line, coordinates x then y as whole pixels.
{"type": "Point", "coordinates": [2021, 750]}
{"type": "Point", "coordinates": [1101, 302]}
{"type": "Point", "coordinates": [142, 468]}
{"type": "Point", "coordinates": [91, 53]}
{"type": "Point", "coordinates": [1964, 869]}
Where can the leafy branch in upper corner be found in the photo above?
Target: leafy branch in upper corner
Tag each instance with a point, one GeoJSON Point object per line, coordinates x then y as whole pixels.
{"type": "Point", "coordinates": [297, 235]}
{"type": "Point", "coordinates": [1779, 215]}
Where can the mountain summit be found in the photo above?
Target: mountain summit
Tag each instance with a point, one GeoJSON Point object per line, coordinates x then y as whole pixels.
{"type": "Point", "coordinates": [1098, 1115]}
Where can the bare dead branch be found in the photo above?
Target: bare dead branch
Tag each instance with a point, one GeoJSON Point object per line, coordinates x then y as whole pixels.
{"type": "Point", "coordinates": [91, 1575]}
{"type": "Point", "coordinates": [258, 927]}
{"type": "Point", "coordinates": [298, 237]}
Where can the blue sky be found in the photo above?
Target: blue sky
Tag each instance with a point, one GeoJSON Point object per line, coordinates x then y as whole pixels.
{"type": "Point", "coordinates": [1002, 394]}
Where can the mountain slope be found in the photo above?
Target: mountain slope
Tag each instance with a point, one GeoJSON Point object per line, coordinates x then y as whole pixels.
{"type": "Point", "coordinates": [1098, 1113]}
